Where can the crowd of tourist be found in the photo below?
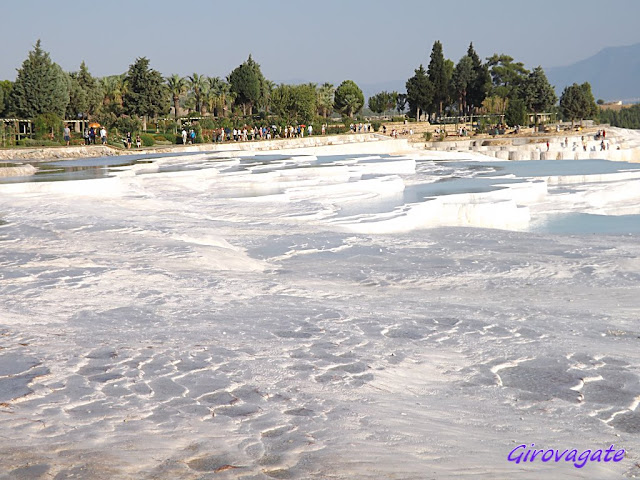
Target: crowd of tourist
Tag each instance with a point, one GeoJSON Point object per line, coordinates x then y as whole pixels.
{"type": "Point", "coordinates": [90, 134]}
{"type": "Point", "coordinates": [248, 133]}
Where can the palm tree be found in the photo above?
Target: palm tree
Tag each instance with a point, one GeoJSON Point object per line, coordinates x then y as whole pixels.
{"type": "Point", "coordinates": [177, 86]}
{"type": "Point", "coordinates": [325, 99]}
{"type": "Point", "coordinates": [197, 85]}
{"type": "Point", "coordinates": [267, 89]}
{"type": "Point", "coordinates": [113, 87]}
{"type": "Point", "coordinates": [209, 100]}
{"type": "Point", "coordinates": [220, 92]}
{"type": "Point", "coordinates": [351, 104]}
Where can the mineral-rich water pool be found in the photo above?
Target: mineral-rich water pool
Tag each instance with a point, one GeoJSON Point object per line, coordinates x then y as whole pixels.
{"type": "Point", "coordinates": [211, 316]}
{"type": "Point", "coordinates": [370, 189]}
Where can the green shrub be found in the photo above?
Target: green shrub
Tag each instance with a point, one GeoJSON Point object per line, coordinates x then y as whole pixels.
{"type": "Point", "coordinates": [398, 119]}
{"type": "Point", "coordinates": [29, 142]}
{"type": "Point", "coordinates": [428, 136]}
{"type": "Point", "coordinates": [376, 124]}
{"type": "Point", "coordinates": [127, 124]}
{"type": "Point", "coordinates": [159, 138]}
{"type": "Point", "coordinates": [337, 129]}
{"type": "Point", "coordinates": [48, 124]}
{"type": "Point", "coordinates": [147, 140]}
{"type": "Point", "coordinates": [106, 119]}
{"type": "Point", "coordinates": [167, 126]}
{"type": "Point", "coordinates": [208, 123]}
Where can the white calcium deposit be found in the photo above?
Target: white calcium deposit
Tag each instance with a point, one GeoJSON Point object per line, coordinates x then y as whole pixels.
{"type": "Point", "coordinates": [318, 315]}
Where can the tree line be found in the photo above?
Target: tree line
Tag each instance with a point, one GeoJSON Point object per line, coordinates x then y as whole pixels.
{"type": "Point", "coordinates": [499, 85]}
{"type": "Point", "coordinates": [628, 117]}
{"type": "Point", "coordinates": [43, 88]}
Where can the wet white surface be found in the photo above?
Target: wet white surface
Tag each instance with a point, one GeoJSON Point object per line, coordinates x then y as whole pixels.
{"type": "Point", "coordinates": [314, 317]}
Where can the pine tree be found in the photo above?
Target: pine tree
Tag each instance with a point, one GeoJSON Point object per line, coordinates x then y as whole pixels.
{"type": "Point", "coordinates": [146, 93]}
{"type": "Point", "coordinates": [577, 102]}
{"type": "Point", "coordinates": [508, 77]}
{"type": "Point", "coordinates": [92, 89]}
{"type": "Point", "coordinates": [419, 93]}
{"type": "Point", "coordinates": [86, 96]}
{"type": "Point", "coordinates": [40, 87]}
{"type": "Point", "coordinates": [5, 88]}
{"type": "Point", "coordinates": [248, 84]}
{"type": "Point", "coordinates": [538, 93]}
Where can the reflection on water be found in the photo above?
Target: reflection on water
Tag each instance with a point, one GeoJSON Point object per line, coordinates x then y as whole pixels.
{"type": "Point", "coordinates": [85, 168]}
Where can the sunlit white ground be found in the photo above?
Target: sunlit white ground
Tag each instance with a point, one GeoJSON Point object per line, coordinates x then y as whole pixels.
{"type": "Point", "coordinates": [319, 317]}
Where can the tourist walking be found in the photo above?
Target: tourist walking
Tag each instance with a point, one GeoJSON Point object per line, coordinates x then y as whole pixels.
{"type": "Point", "coordinates": [67, 134]}
{"type": "Point", "coordinates": [184, 136]}
{"type": "Point", "coordinates": [103, 135]}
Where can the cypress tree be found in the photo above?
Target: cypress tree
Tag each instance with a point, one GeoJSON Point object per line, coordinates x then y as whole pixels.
{"type": "Point", "coordinates": [481, 83]}
{"type": "Point", "coordinates": [40, 87]}
{"type": "Point", "coordinates": [437, 73]}
{"type": "Point", "coordinates": [463, 81]}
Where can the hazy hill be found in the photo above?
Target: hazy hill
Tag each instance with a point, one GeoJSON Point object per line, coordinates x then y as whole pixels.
{"type": "Point", "coordinates": [613, 74]}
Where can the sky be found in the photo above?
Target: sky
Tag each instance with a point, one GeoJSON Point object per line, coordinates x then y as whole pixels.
{"type": "Point", "coordinates": [370, 42]}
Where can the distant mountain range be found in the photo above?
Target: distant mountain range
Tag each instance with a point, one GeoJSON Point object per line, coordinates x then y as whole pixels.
{"type": "Point", "coordinates": [613, 73]}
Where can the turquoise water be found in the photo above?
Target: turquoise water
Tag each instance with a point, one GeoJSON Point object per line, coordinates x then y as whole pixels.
{"type": "Point", "coordinates": [552, 168]}
{"type": "Point", "coordinates": [431, 180]}
{"type": "Point", "coordinates": [586, 223]}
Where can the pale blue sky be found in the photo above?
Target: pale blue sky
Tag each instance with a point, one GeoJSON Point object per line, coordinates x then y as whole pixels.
{"type": "Point", "coordinates": [369, 41]}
